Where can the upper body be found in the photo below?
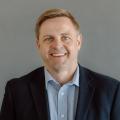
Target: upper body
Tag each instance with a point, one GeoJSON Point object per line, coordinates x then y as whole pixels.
{"type": "Point", "coordinates": [26, 97]}
{"type": "Point", "coordinates": [59, 40]}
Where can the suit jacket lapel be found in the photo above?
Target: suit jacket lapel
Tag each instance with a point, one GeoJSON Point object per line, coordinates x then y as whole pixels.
{"type": "Point", "coordinates": [86, 93]}
{"type": "Point", "coordinates": [39, 94]}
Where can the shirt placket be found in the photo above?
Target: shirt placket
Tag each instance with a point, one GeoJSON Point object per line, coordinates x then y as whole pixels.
{"type": "Point", "coordinates": [62, 103]}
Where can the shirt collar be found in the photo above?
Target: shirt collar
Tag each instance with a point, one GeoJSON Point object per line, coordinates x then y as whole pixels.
{"type": "Point", "coordinates": [75, 79]}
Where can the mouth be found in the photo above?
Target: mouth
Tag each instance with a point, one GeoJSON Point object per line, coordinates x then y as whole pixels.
{"type": "Point", "coordinates": [58, 54]}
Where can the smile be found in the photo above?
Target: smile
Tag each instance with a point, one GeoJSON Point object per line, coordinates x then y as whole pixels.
{"type": "Point", "coordinates": [58, 54]}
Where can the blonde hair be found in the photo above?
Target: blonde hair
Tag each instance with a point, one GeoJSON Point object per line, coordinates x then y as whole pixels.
{"type": "Point", "coordinates": [52, 13]}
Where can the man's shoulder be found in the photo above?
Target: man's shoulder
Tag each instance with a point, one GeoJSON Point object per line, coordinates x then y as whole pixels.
{"type": "Point", "coordinates": [25, 79]}
{"type": "Point", "coordinates": [100, 80]}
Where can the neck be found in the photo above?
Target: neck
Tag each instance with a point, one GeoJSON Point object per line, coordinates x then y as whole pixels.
{"type": "Point", "coordinates": [63, 76]}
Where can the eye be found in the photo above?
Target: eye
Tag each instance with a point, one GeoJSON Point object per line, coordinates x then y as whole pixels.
{"type": "Point", "coordinates": [66, 38]}
{"type": "Point", "coordinates": [48, 40]}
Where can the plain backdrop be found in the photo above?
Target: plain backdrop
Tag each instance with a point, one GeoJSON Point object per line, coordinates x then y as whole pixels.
{"type": "Point", "coordinates": [100, 26]}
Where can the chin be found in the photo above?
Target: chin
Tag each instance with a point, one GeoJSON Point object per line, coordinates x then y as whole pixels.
{"type": "Point", "coordinates": [60, 67]}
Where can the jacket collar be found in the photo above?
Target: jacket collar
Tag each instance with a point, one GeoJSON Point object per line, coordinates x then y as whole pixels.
{"type": "Point", "coordinates": [86, 93]}
{"type": "Point", "coordinates": [39, 94]}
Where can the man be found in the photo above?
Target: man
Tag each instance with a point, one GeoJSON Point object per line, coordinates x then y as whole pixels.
{"type": "Point", "coordinates": [62, 89]}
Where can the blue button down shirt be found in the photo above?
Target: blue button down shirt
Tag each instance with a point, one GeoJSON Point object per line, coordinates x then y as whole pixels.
{"type": "Point", "coordinates": [62, 99]}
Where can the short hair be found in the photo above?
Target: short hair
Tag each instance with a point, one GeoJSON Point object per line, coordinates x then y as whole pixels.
{"type": "Point", "coordinates": [52, 13]}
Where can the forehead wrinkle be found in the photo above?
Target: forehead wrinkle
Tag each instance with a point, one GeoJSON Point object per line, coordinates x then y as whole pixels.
{"type": "Point", "coordinates": [65, 33]}
{"type": "Point", "coordinates": [51, 35]}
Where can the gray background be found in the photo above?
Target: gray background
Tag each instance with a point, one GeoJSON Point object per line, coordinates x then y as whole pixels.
{"type": "Point", "coordinates": [100, 25]}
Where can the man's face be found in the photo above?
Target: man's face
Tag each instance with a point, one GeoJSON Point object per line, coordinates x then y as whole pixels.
{"type": "Point", "coordinates": [59, 43]}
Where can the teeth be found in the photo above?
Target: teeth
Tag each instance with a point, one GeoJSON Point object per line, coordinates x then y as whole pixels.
{"type": "Point", "coordinates": [57, 54]}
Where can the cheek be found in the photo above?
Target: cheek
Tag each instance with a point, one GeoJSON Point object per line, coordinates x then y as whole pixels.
{"type": "Point", "coordinates": [73, 50]}
{"type": "Point", "coordinates": [42, 51]}
{"type": "Point", "coordinates": [73, 46]}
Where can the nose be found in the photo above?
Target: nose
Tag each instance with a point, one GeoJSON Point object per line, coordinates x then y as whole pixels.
{"type": "Point", "coordinates": [57, 43]}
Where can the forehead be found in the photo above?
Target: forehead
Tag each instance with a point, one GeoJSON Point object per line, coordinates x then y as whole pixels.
{"type": "Point", "coordinates": [57, 25]}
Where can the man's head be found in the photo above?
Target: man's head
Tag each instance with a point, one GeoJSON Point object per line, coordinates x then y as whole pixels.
{"type": "Point", "coordinates": [58, 39]}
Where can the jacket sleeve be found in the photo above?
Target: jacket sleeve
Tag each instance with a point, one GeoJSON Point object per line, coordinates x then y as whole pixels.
{"type": "Point", "coordinates": [7, 110]}
{"type": "Point", "coordinates": [115, 112]}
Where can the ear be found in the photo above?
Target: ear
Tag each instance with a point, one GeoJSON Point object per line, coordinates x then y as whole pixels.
{"type": "Point", "coordinates": [37, 43]}
{"type": "Point", "coordinates": [79, 40]}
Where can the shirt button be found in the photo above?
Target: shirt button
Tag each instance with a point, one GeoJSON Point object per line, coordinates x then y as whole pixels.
{"type": "Point", "coordinates": [62, 93]}
{"type": "Point", "coordinates": [62, 115]}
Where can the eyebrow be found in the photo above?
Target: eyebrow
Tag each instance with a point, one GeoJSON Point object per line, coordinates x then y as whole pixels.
{"type": "Point", "coordinates": [52, 36]}
{"type": "Point", "coordinates": [47, 36]}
